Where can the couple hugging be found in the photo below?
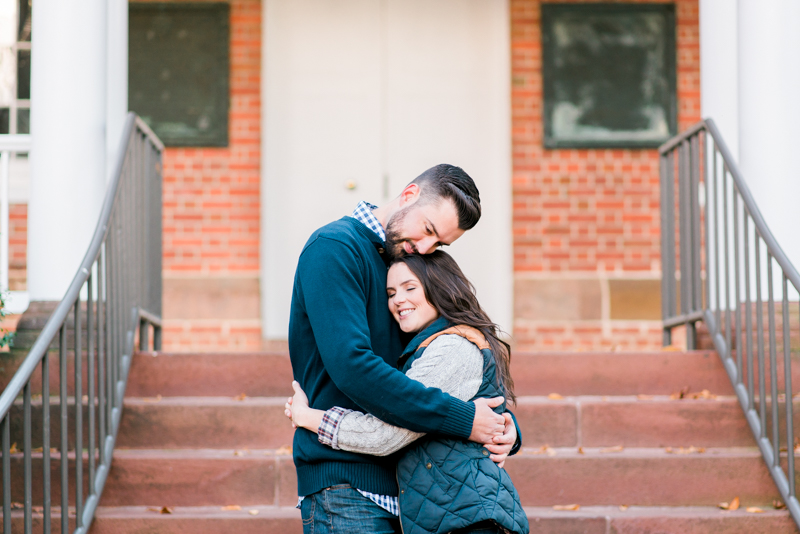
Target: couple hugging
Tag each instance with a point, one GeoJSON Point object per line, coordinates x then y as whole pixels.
{"type": "Point", "coordinates": [400, 376]}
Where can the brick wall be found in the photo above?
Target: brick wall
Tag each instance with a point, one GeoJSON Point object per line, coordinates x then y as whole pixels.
{"type": "Point", "coordinates": [211, 214]}
{"type": "Point", "coordinates": [17, 246]}
{"type": "Point", "coordinates": [586, 222]}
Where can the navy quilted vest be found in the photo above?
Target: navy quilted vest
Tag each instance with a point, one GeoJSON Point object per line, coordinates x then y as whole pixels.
{"type": "Point", "coordinates": [447, 484]}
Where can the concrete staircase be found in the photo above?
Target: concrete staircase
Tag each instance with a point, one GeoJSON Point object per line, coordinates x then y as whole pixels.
{"type": "Point", "coordinates": [204, 447]}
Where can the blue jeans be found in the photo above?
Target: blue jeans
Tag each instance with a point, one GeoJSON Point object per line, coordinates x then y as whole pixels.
{"type": "Point", "coordinates": [343, 510]}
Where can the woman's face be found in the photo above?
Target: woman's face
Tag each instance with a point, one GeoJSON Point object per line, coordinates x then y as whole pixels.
{"type": "Point", "coordinates": [407, 299]}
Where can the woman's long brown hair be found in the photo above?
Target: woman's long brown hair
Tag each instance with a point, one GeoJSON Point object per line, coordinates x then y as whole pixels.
{"type": "Point", "coordinates": [453, 295]}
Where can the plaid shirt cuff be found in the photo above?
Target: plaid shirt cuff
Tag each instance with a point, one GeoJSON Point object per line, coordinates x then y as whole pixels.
{"type": "Point", "coordinates": [328, 432]}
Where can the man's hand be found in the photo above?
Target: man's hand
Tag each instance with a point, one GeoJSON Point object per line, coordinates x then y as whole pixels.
{"type": "Point", "coordinates": [487, 424]}
{"type": "Point", "coordinates": [502, 445]}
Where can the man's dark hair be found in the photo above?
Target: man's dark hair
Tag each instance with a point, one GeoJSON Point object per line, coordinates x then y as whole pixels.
{"type": "Point", "coordinates": [450, 182]}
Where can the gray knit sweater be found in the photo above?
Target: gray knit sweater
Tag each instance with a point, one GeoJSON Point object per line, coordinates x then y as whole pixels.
{"type": "Point", "coordinates": [450, 363]}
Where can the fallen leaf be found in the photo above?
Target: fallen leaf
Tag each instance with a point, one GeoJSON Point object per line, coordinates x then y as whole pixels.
{"type": "Point", "coordinates": [705, 394]}
{"type": "Point", "coordinates": [567, 507]}
{"type": "Point", "coordinates": [157, 398]}
{"type": "Point", "coordinates": [580, 450]}
{"type": "Point", "coordinates": [754, 510]}
{"type": "Point", "coordinates": [160, 510]}
{"type": "Point", "coordinates": [252, 512]}
{"type": "Point", "coordinates": [545, 449]}
{"type": "Point", "coordinates": [286, 450]}
{"type": "Point", "coordinates": [240, 397]}
{"type": "Point", "coordinates": [38, 449]}
{"type": "Point", "coordinates": [685, 450]}
{"type": "Point", "coordinates": [680, 394]}
{"type": "Point", "coordinates": [733, 505]}
{"type": "Point", "coordinates": [240, 453]}
{"type": "Point", "coordinates": [623, 507]}
{"type": "Point", "coordinates": [231, 508]}
{"type": "Point", "coordinates": [554, 396]}
{"type": "Point", "coordinates": [13, 449]}
{"type": "Point", "coordinates": [17, 506]}
{"type": "Point", "coordinates": [778, 505]}
{"type": "Point", "coordinates": [644, 397]}
{"type": "Point", "coordinates": [618, 448]}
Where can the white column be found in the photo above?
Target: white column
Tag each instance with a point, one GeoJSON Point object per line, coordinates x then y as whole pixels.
{"type": "Point", "coordinates": [68, 130]}
{"type": "Point", "coordinates": [719, 78]}
{"type": "Point", "coordinates": [117, 79]}
{"type": "Point", "coordinates": [769, 113]}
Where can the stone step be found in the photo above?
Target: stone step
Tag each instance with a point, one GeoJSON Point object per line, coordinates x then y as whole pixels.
{"type": "Point", "coordinates": [268, 519]}
{"type": "Point", "coordinates": [640, 476]}
{"type": "Point", "coordinates": [258, 422]}
{"type": "Point", "coordinates": [632, 476]}
{"type": "Point", "coordinates": [586, 520]}
{"type": "Point", "coordinates": [269, 374]}
{"type": "Point", "coordinates": [263, 374]}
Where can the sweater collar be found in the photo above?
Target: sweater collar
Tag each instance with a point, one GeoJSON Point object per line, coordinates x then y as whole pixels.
{"type": "Point", "coordinates": [436, 326]}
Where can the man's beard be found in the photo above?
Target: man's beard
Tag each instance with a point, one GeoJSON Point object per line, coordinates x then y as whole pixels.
{"type": "Point", "coordinates": [394, 241]}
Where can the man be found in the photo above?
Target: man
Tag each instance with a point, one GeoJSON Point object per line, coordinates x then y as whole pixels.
{"type": "Point", "coordinates": [344, 346]}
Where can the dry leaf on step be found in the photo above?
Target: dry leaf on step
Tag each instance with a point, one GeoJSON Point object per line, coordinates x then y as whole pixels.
{"type": "Point", "coordinates": [284, 451]}
{"type": "Point", "coordinates": [778, 505]}
{"type": "Point", "coordinates": [252, 512]}
{"type": "Point", "coordinates": [231, 508]}
{"type": "Point", "coordinates": [733, 505]}
{"type": "Point", "coordinates": [580, 450]}
{"type": "Point", "coordinates": [754, 510]}
{"type": "Point", "coordinates": [160, 509]}
{"type": "Point", "coordinates": [623, 507]}
{"type": "Point", "coordinates": [240, 397]}
{"type": "Point", "coordinates": [618, 448]}
{"type": "Point", "coordinates": [567, 507]}
{"type": "Point", "coordinates": [13, 449]}
{"type": "Point", "coordinates": [554, 396]}
{"type": "Point", "coordinates": [680, 394]}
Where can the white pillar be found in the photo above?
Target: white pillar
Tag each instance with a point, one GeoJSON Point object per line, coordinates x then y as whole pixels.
{"type": "Point", "coordinates": [719, 81]}
{"type": "Point", "coordinates": [117, 79]}
{"type": "Point", "coordinates": [769, 113]}
{"type": "Point", "coordinates": [68, 120]}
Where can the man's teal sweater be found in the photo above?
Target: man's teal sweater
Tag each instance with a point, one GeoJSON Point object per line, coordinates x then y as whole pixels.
{"type": "Point", "coordinates": [344, 345]}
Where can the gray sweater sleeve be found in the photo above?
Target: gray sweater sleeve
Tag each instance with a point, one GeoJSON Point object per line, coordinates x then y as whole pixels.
{"type": "Point", "coordinates": [450, 363]}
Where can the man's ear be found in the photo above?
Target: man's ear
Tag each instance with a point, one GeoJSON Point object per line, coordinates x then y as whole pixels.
{"type": "Point", "coordinates": [410, 194]}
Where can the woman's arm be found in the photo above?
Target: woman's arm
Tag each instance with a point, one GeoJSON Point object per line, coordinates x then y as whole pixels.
{"type": "Point", "coordinates": [450, 363]}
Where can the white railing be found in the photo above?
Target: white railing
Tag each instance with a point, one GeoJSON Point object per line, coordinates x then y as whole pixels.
{"type": "Point", "coordinates": [15, 301]}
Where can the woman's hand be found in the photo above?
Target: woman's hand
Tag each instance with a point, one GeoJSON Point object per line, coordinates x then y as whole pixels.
{"type": "Point", "coordinates": [296, 407]}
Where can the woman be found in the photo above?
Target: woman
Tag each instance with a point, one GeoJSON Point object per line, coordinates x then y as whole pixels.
{"type": "Point", "coordinates": [446, 485]}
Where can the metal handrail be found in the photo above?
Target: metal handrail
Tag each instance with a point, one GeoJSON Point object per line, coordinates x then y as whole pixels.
{"type": "Point", "coordinates": [725, 251]}
{"type": "Point", "coordinates": [117, 288]}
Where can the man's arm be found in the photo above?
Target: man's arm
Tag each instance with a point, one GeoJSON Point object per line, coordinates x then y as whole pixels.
{"type": "Point", "coordinates": [334, 297]}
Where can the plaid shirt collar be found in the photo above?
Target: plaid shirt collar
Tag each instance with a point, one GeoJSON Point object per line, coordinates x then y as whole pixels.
{"type": "Point", "coordinates": [363, 214]}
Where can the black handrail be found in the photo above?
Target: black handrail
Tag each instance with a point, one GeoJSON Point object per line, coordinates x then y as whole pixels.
{"type": "Point", "coordinates": [725, 250]}
{"type": "Point", "coordinates": [117, 288]}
